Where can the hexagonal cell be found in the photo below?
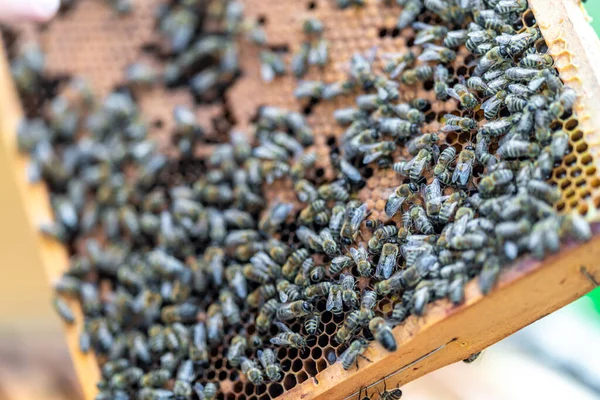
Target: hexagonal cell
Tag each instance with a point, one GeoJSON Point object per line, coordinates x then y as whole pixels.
{"type": "Point", "coordinates": [316, 353]}
{"type": "Point", "coordinates": [238, 387]}
{"type": "Point", "coordinates": [310, 366]}
{"type": "Point", "coordinates": [301, 377]}
{"type": "Point", "coordinates": [289, 381]}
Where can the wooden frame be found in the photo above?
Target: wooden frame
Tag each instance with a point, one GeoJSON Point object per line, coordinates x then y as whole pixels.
{"type": "Point", "coordinates": [526, 292]}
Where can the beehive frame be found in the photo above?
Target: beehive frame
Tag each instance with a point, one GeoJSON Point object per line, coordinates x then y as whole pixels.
{"type": "Point", "coordinates": [526, 292]}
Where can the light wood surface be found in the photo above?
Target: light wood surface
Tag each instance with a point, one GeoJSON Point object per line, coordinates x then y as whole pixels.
{"type": "Point", "coordinates": [35, 201]}
{"type": "Point", "coordinates": [527, 291]}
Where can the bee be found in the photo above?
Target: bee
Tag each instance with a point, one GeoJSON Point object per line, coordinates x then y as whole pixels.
{"type": "Point", "coordinates": [351, 354]}
{"type": "Point", "coordinates": [288, 338]}
{"type": "Point", "coordinates": [490, 59]}
{"type": "Point", "coordinates": [420, 220]}
{"type": "Point", "coordinates": [320, 289]}
{"type": "Point", "coordinates": [274, 217]}
{"type": "Point", "coordinates": [464, 166]}
{"type": "Point", "coordinates": [309, 238]}
{"type": "Point", "coordinates": [270, 365]}
{"type": "Point", "coordinates": [354, 217]}
{"type": "Point", "coordinates": [266, 314]}
{"type": "Point", "coordinates": [455, 39]}
{"type": "Point", "coordinates": [538, 61]}
{"type": "Point", "coordinates": [397, 127]}
{"type": "Point", "coordinates": [351, 323]}
{"type": "Point", "coordinates": [376, 150]}
{"type": "Point", "coordinates": [328, 242]}
{"type": "Point", "coordinates": [543, 191]}
{"type": "Point", "coordinates": [156, 378]}
{"type": "Point", "coordinates": [492, 181]}
{"type": "Point", "coordinates": [518, 149]}
{"type": "Point", "coordinates": [461, 93]}
{"type": "Point", "coordinates": [576, 227]}
{"type": "Point", "coordinates": [454, 123]}
{"type": "Point", "coordinates": [489, 274]}
{"type": "Point", "coordinates": [251, 371]}
{"type": "Point", "coordinates": [309, 89]}
{"type": "Point", "coordinates": [428, 33]}
{"type": "Point", "coordinates": [298, 308]}
{"type": "Point", "coordinates": [317, 273]}
{"type": "Point", "coordinates": [520, 74]}
{"type": "Point", "coordinates": [319, 53]}
{"type": "Point", "coordinates": [399, 313]}
{"type": "Point", "coordinates": [214, 323]}
{"type": "Point", "coordinates": [206, 392]}
{"type": "Point", "coordinates": [346, 116]}
{"type": "Point", "coordinates": [394, 394]}
{"type": "Point", "coordinates": [404, 192]}
{"type": "Point", "coordinates": [418, 74]}
{"type": "Point", "coordinates": [359, 255]}
{"type": "Point", "coordinates": [299, 63]}
{"type": "Point", "coordinates": [288, 292]}
{"type": "Point", "coordinates": [311, 324]}
{"type": "Point", "coordinates": [432, 52]}
{"type": "Point", "coordinates": [335, 302]}
{"type": "Point", "coordinates": [271, 65]}
{"type": "Point", "coordinates": [492, 106]}
{"type": "Point", "coordinates": [63, 310]}
{"type": "Point", "coordinates": [416, 166]}
{"type": "Point", "coordinates": [349, 171]}
{"type": "Point", "coordinates": [290, 268]}
{"type": "Point", "coordinates": [411, 9]}
{"type": "Point", "coordinates": [510, 6]}
{"type": "Point", "coordinates": [392, 284]}
{"type": "Point", "coordinates": [444, 164]}
{"type": "Point", "coordinates": [478, 84]}
{"type": "Point", "coordinates": [383, 333]}
{"type": "Point", "coordinates": [333, 191]}
{"type": "Point", "coordinates": [349, 296]}
{"type": "Point", "coordinates": [199, 348]}
{"type": "Point", "coordinates": [468, 241]}
{"type": "Point", "coordinates": [441, 78]}
{"type": "Point", "coordinates": [126, 378]}
{"type": "Point", "coordinates": [433, 198]}
{"type": "Point", "coordinates": [407, 112]}
{"type": "Point", "coordinates": [339, 263]}
{"type": "Point", "coordinates": [397, 63]}
{"type": "Point", "coordinates": [367, 304]}
{"type": "Point", "coordinates": [387, 261]}
{"type": "Point", "coordinates": [420, 142]}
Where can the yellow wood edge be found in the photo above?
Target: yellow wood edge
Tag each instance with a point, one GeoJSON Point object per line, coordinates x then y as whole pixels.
{"type": "Point", "coordinates": [36, 202]}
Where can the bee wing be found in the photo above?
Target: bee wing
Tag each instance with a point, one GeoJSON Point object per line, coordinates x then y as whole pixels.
{"type": "Point", "coordinates": [199, 389]}
{"type": "Point", "coordinates": [420, 26]}
{"type": "Point", "coordinates": [452, 93]}
{"type": "Point", "coordinates": [462, 173]}
{"type": "Point", "coordinates": [504, 39]}
{"type": "Point", "coordinates": [450, 128]}
{"type": "Point", "coordinates": [283, 297]}
{"type": "Point", "coordinates": [330, 301]}
{"type": "Point", "coordinates": [283, 327]}
{"type": "Point", "coordinates": [354, 254]}
{"type": "Point", "coordinates": [489, 103]}
{"type": "Point", "coordinates": [424, 37]}
{"type": "Point", "coordinates": [279, 341]}
{"type": "Point", "coordinates": [388, 266]}
{"type": "Point", "coordinates": [429, 55]}
{"type": "Point", "coordinates": [398, 70]}
{"type": "Point", "coordinates": [369, 158]}
{"type": "Point", "coordinates": [267, 73]}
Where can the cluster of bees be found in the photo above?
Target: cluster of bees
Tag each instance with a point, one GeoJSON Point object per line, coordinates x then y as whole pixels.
{"type": "Point", "coordinates": [189, 264]}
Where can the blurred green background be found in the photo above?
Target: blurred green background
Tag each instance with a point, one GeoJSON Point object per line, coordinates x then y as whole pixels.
{"type": "Point", "coordinates": [593, 8]}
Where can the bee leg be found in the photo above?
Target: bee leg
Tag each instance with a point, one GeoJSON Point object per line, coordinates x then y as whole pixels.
{"type": "Point", "coordinates": [589, 276]}
{"type": "Point", "coordinates": [360, 355]}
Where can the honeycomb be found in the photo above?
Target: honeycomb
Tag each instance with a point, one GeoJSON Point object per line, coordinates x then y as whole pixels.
{"type": "Point", "coordinates": [80, 43]}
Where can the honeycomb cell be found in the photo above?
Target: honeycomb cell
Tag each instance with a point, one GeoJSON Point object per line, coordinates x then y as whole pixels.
{"type": "Point", "coordinates": [323, 340]}
{"type": "Point", "coordinates": [289, 381]}
{"type": "Point", "coordinates": [571, 124]}
{"type": "Point", "coordinates": [249, 389]}
{"type": "Point", "coordinates": [296, 365]}
{"type": "Point", "coordinates": [275, 390]}
{"type": "Point", "coordinates": [316, 353]}
{"type": "Point", "coordinates": [321, 365]}
{"type": "Point", "coordinates": [581, 148]}
{"type": "Point", "coordinates": [302, 376]}
{"type": "Point", "coordinates": [238, 387]}
{"type": "Point", "coordinates": [222, 375]}
{"type": "Point", "coordinates": [575, 172]}
{"type": "Point", "coordinates": [292, 353]}
{"type": "Point", "coordinates": [529, 19]}
{"type": "Point", "coordinates": [211, 375]}
{"type": "Point", "coordinates": [331, 328]}
{"type": "Point", "coordinates": [218, 364]}
{"type": "Point", "coordinates": [576, 136]}
{"type": "Point", "coordinates": [230, 396]}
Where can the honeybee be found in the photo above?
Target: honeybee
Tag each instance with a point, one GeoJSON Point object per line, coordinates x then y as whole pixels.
{"type": "Point", "coordinates": [214, 324]}
{"type": "Point", "coordinates": [397, 127]}
{"type": "Point", "coordinates": [288, 338]}
{"type": "Point", "coordinates": [454, 123]}
{"type": "Point", "coordinates": [493, 180]}
{"type": "Point", "coordinates": [351, 323]}
{"type": "Point", "coordinates": [334, 191]}
{"type": "Point", "coordinates": [270, 365]}
{"type": "Point", "coordinates": [296, 309]}
{"type": "Point", "coordinates": [428, 33]}
{"type": "Point", "coordinates": [367, 304]}
{"type": "Point", "coordinates": [335, 303]}
{"type": "Point", "coordinates": [456, 38]}
{"type": "Point", "coordinates": [351, 354]}
{"type": "Point", "coordinates": [441, 76]}
{"type": "Point", "coordinates": [387, 261]}
{"type": "Point", "coordinates": [237, 348]}
{"type": "Point", "coordinates": [63, 310]}
{"type": "Point", "coordinates": [411, 9]}
{"type": "Point", "coordinates": [274, 217]}
{"type": "Point", "coordinates": [392, 284]}
{"type": "Point", "coordinates": [464, 166]}
{"type": "Point", "coordinates": [359, 255]}
{"type": "Point", "coordinates": [290, 268]}
{"type": "Point", "coordinates": [461, 93]}
{"type": "Point", "coordinates": [199, 348]}
{"type": "Point", "coordinates": [320, 289]}
{"type": "Point", "coordinates": [518, 149]}
{"type": "Point", "coordinates": [206, 392]}
{"type": "Point", "coordinates": [311, 324]}
{"type": "Point", "coordinates": [489, 274]}
{"type": "Point", "coordinates": [401, 194]}
{"type": "Point", "coordinates": [418, 74]}
{"type": "Point", "coordinates": [407, 112]}
{"type": "Point", "coordinates": [432, 52]}
{"type": "Point", "coordinates": [377, 150]}
{"type": "Point", "coordinates": [349, 296]}
{"type": "Point", "coordinates": [354, 217]}
{"type": "Point", "coordinates": [397, 63]}
{"type": "Point", "coordinates": [266, 314]}
{"type": "Point", "coordinates": [251, 371]}
{"type": "Point", "coordinates": [383, 333]}
{"type": "Point", "coordinates": [339, 263]}
{"type": "Point", "coordinates": [288, 292]}
{"type": "Point", "coordinates": [310, 238]}
{"type": "Point", "coordinates": [420, 220]}
{"type": "Point", "coordinates": [433, 198]}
